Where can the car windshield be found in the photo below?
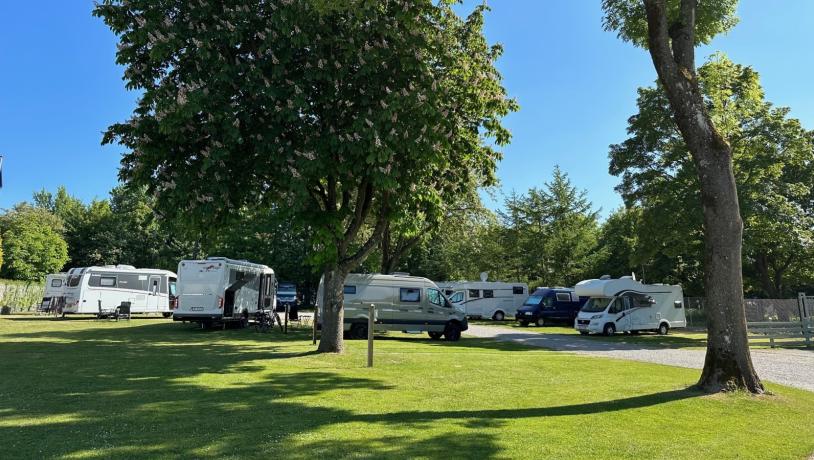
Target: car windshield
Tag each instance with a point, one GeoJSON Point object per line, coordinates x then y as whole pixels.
{"type": "Point", "coordinates": [596, 304]}
{"type": "Point", "coordinates": [533, 300]}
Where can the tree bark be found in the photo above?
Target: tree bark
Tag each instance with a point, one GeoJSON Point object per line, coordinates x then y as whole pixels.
{"type": "Point", "coordinates": [728, 364]}
{"type": "Point", "coordinates": [333, 315]}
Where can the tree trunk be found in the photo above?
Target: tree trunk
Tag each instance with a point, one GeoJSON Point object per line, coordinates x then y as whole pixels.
{"type": "Point", "coordinates": [728, 364]}
{"type": "Point", "coordinates": [333, 313]}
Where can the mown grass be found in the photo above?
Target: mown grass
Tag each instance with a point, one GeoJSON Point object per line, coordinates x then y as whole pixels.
{"type": "Point", "coordinates": [153, 389]}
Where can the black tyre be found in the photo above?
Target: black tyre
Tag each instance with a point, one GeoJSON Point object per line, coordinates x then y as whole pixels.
{"type": "Point", "coordinates": [583, 332]}
{"type": "Point", "coordinates": [663, 329]}
{"type": "Point", "coordinates": [524, 323]}
{"type": "Point", "coordinates": [498, 316]}
{"type": "Point", "coordinates": [167, 314]}
{"type": "Point", "coordinates": [244, 320]}
{"type": "Point", "coordinates": [540, 322]}
{"type": "Point", "coordinates": [609, 329]}
{"type": "Point", "coordinates": [452, 332]}
{"type": "Point", "coordinates": [435, 335]}
{"type": "Point", "coordinates": [358, 331]}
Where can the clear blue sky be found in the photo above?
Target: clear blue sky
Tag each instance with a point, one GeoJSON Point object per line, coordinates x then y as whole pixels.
{"type": "Point", "coordinates": [576, 85]}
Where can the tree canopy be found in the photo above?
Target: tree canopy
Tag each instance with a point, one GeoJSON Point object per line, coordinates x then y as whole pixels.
{"type": "Point", "coordinates": [32, 243]}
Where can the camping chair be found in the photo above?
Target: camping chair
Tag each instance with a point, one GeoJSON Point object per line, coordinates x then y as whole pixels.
{"type": "Point", "coordinates": [123, 311]}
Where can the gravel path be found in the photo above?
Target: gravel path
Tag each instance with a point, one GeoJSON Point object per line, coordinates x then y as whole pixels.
{"type": "Point", "coordinates": [794, 368]}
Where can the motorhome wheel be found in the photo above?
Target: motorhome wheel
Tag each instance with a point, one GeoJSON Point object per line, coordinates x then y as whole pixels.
{"type": "Point", "coordinates": [663, 329]}
{"type": "Point", "coordinates": [358, 331]}
{"type": "Point", "coordinates": [452, 332]}
{"type": "Point", "coordinates": [498, 316]}
{"type": "Point", "coordinates": [609, 329]}
{"type": "Point", "coordinates": [166, 315]}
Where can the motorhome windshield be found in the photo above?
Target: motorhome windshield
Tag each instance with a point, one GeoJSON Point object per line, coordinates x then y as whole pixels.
{"type": "Point", "coordinates": [596, 304]}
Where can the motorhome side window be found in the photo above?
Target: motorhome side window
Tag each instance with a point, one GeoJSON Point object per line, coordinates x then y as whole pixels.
{"type": "Point", "coordinates": [640, 300]}
{"type": "Point", "coordinates": [459, 296]}
{"type": "Point", "coordinates": [56, 282]}
{"type": "Point", "coordinates": [107, 281]}
{"type": "Point", "coordinates": [348, 289]}
{"type": "Point", "coordinates": [517, 290]}
{"type": "Point", "coordinates": [434, 296]}
{"type": "Point", "coordinates": [488, 294]}
{"type": "Point", "coordinates": [618, 305]}
{"type": "Point", "coordinates": [410, 295]}
{"type": "Point", "coordinates": [563, 297]}
{"type": "Point", "coordinates": [474, 293]}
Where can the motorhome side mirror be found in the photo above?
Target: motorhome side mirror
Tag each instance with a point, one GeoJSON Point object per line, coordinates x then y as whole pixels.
{"type": "Point", "coordinates": [678, 304]}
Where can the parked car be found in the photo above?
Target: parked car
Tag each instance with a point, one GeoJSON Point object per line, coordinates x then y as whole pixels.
{"type": "Point", "coordinates": [550, 305]}
{"type": "Point", "coordinates": [286, 295]}
{"type": "Point", "coordinates": [627, 305]}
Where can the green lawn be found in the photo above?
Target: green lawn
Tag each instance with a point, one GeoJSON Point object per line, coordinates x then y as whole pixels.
{"type": "Point", "coordinates": [151, 388]}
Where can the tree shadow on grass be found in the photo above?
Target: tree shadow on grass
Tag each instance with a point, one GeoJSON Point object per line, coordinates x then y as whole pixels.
{"type": "Point", "coordinates": [168, 391]}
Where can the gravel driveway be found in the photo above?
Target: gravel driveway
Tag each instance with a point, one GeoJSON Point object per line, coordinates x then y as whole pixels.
{"type": "Point", "coordinates": [794, 368]}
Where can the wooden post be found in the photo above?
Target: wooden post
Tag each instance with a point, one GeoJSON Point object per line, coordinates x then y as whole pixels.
{"type": "Point", "coordinates": [370, 322]}
{"type": "Point", "coordinates": [287, 306]}
{"type": "Point", "coordinates": [314, 336]}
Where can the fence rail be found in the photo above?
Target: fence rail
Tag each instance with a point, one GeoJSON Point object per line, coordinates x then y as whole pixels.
{"type": "Point", "coordinates": [757, 310]}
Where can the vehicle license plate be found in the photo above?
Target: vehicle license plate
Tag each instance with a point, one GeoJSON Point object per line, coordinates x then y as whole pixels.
{"type": "Point", "coordinates": [197, 308]}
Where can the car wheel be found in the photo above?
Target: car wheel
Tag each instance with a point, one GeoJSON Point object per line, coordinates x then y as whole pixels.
{"type": "Point", "coordinates": [540, 322]}
{"type": "Point", "coordinates": [663, 329]}
{"type": "Point", "coordinates": [609, 329]}
{"type": "Point", "coordinates": [583, 332]}
{"type": "Point", "coordinates": [498, 316]}
{"type": "Point", "coordinates": [452, 332]}
{"type": "Point", "coordinates": [524, 323]}
{"type": "Point", "coordinates": [435, 335]}
{"type": "Point", "coordinates": [358, 331]}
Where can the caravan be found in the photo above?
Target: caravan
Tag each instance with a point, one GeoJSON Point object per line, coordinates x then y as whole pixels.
{"type": "Point", "coordinates": [96, 290]}
{"type": "Point", "coordinates": [402, 302]}
{"type": "Point", "coordinates": [53, 298]}
{"type": "Point", "coordinates": [221, 290]}
{"type": "Point", "coordinates": [626, 305]}
{"type": "Point", "coordinates": [486, 299]}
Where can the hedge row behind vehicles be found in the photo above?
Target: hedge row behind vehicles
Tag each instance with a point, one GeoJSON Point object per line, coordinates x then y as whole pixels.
{"type": "Point", "coordinates": [402, 303]}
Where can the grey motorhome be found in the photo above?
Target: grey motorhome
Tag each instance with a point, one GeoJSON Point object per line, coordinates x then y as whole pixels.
{"type": "Point", "coordinates": [402, 303]}
{"type": "Point", "coordinates": [221, 290]}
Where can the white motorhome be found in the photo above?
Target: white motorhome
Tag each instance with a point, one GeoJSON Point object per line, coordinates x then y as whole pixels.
{"type": "Point", "coordinates": [627, 305]}
{"type": "Point", "coordinates": [54, 295]}
{"type": "Point", "coordinates": [101, 289]}
{"type": "Point", "coordinates": [402, 303]}
{"type": "Point", "coordinates": [220, 290]}
{"type": "Point", "coordinates": [486, 299]}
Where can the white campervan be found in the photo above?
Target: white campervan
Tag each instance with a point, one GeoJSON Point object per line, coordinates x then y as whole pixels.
{"type": "Point", "coordinates": [220, 290]}
{"type": "Point", "coordinates": [96, 290]}
{"type": "Point", "coordinates": [402, 302]}
{"type": "Point", "coordinates": [54, 295]}
{"type": "Point", "coordinates": [486, 299]}
{"type": "Point", "coordinates": [624, 304]}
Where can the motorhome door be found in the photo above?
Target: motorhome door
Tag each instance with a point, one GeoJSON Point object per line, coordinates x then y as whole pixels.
{"type": "Point", "coordinates": [153, 297]}
{"type": "Point", "coordinates": [621, 308]}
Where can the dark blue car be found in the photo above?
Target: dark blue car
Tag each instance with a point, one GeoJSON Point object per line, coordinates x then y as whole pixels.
{"type": "Point", "coordinates": [550, 305]}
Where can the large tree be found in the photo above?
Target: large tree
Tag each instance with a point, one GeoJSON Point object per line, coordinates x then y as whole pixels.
{"type": "Point", "coordinates": [670, 30]}
{"type": "Point", "coordinates": [772, 158]}
{"type": "Point", "coordinates": [336, 110]}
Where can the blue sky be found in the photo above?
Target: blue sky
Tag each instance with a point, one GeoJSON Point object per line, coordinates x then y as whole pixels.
{"type": "Point", "coordinates": [576, 85]}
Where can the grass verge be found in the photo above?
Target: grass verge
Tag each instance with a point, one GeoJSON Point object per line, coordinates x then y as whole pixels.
{"type": "Point", "coordinates": [149, 388]}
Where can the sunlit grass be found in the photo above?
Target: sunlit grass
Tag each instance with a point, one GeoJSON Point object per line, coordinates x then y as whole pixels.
{"type": "Point", "coordinates": [149, 388]}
